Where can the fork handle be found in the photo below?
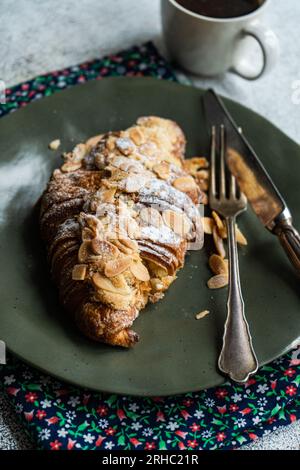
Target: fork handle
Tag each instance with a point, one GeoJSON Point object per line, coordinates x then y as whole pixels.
{"type": "Point", "coordinates": [290, 240]}
{"type": "Point", "coordinates": [237, 358]}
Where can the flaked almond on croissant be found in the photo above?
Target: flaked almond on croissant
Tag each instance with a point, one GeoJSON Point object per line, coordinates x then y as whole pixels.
{"type": "Point", "coordinates": [117, 219]}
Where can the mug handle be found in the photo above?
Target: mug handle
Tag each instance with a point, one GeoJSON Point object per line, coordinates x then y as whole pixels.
{"type": "Point", "coordinates": [269, 44]}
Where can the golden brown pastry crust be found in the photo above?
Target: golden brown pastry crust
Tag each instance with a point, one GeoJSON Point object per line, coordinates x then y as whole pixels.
{"type": "Point", "coordinates": [116, 219]}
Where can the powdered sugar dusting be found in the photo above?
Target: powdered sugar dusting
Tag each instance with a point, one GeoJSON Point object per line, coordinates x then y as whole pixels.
{"type": "Point", "coordinates": [127, 164]}
{"type": "Point", "coordinates": [124, 144]}
{"type": "Point", "coordinates": [162, 193]}
{"type": "Point", "coordinates": [162, 235]}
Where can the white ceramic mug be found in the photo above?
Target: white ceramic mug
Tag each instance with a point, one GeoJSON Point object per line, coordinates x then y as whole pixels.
{"type": "Point", "coordinates": [211, 46]}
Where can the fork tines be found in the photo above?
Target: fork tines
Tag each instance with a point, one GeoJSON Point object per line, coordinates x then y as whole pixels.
{"type": "Point", "coordinates": [223, 185]}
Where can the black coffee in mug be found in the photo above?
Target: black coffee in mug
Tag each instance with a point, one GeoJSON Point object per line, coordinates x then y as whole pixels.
{"type": "Point", "coordinates": [221, 8]}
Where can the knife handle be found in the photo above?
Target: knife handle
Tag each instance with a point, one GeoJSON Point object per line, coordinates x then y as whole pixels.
{"type": "Point", "coordinates": [290, 240]}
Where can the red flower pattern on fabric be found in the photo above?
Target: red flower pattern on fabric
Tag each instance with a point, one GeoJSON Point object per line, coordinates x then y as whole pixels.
{"type": "Point", "coordinates": [185, 414]}
{"type": "Point", "coordinates": [150, 446]}
{"type": "Point", "coordinates": [289, 372]}
{"type": "Point", "coordinates": [110, 431]}
{"type": "Point", "coordinates": [40, 414]}
{"type": "Point", "coordinates": [221, 436]}
{"type": "Point", "coordinates": [193, 444]}
{"type": "Point", "coordinates": [273, 384]}
{"type": "Point", "coordinates": [121, 415]}
{"type": "Point", "coordinates": [99, 441]}
{"type": "Point", "coordinates": [221, 393]}
{"type": "Point", "coordinates": [291, 390]}
{"type": "Point", "coordinates": [55, 445]}
{"type": "Point", "coordinates": [52, 420]}
{"type": "Point", "coordinates": [135, 441]}
{"type": "Point", "coordinates": [245, 411]}
{"type": "Point", "coordinates": [102, 410]}
{"type": "Point", "coordinates": [160, 416]}
{"type": "Point", "coordinates": [233, 407]}
{"type": "Point", "coordinates": [195, 427]}
{"type": "Point", "coordinates": [188, 402]}
{"type": "Point", "coordinates": [30, 397]}
{"type": "Point", "coordinates": [222, 409]}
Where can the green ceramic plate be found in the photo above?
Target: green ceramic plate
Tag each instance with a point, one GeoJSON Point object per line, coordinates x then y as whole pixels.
{"type": "Point", "coordinates": [176, 353]}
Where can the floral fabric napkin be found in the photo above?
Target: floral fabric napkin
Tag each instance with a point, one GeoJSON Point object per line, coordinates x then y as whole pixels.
{"type": "Point", "coordinates": [59, 416]}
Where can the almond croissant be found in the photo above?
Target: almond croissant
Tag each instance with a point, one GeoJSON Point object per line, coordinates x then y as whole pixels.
{"type": "Point", "coordinates": [116, 220]}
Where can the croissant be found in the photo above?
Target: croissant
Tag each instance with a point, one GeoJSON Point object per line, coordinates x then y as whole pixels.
{"type": "Point", "coordinates": [117, 219]}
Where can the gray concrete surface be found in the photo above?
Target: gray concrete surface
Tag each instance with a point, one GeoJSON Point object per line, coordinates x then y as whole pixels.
{"type": "Point", "coordinates": [37, 37]}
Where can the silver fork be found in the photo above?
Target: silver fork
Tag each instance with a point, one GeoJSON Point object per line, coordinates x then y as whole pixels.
{"type": "Point", "coordinates": [237, 358]}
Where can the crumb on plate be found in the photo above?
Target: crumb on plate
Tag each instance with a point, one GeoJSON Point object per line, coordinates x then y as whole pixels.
{"type": "Point", "coordinates": [54, 144]}
{"type": "Point", "coordinates": [202, 314]}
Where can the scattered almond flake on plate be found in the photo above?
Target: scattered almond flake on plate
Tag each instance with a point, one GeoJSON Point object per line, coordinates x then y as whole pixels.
{"type": "Point", "coordinates": [220, 225]}
{"type": "Point", "coordinates": [218, 265]}
{"type": "Point", "coordinates": [218, 242]}
{"type": "Point", "coordinates": [218, 281]}
{"type": "Point", "coordinates": [202, 314]}
{"type": "Point", "coordinates": [208, 224]}
{"type": "Point", "coordinates": [54, 144]}
{"type": "Point", "coordinates": [240, 237]}
{"type": "Point", "coordinates": [222, 229]}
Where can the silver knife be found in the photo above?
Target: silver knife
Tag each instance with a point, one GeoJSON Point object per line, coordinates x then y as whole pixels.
{"type": "Point", "coordinates": [254, 180]}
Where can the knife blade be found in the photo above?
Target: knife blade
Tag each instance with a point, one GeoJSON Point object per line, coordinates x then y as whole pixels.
{"type": "Point", "coordinates": [253, 179]}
